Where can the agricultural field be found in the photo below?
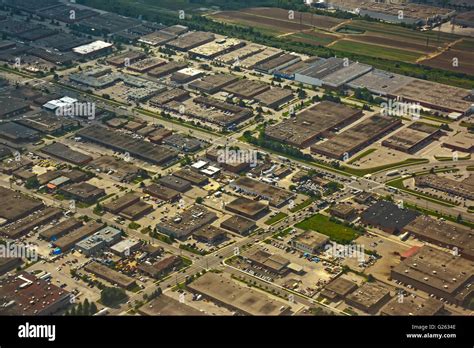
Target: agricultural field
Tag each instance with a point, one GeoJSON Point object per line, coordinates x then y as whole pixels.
{"type": "Point", "coordinates": [373, 39]}
{"type": "Point", "coordinates": [463, 52]}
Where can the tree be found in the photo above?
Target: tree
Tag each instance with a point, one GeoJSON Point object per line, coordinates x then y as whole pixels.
{"type": "Point", "coordinates": [92, 309]}
{"type": "Point", "coordinates": [109, 296]}
{"type": "Point", "coordinates": [86, 307]}
{"type": "Point", "coordinates": [199, 200]}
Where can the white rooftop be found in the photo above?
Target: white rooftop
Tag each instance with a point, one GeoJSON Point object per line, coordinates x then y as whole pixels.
{"type": "Point", "coordinates": [91, 47]}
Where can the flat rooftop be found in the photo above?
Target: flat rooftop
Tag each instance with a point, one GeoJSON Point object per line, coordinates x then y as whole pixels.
{"type": "Point", "coordinates": [438, 269]}
{"type": "Point", "coordinates": [246, 207]}
{"type": "Point", "coordinates": [234, 57]}
{"type": "Point", "coordinates": [412, 306]}
{"type": "Point", "coordinates": [311, 123]}
{"type": "Point", "coordinates": [246, 88]}
{"type": "Point", "coordinates": [410, 137]}
{"type": "Point", "coordinates": [165, 305]}
{"type": "Point", "coordinates": [380, 82]}
{"type": "Point", "coordinates": [121, 142]}
{"type": "Point", "coordinates": [15, 205]}
{"type": "Point", "coordinates": [213, 83]}
{"type": "Point", "coordinates": [275, 195]}
{"type": "Point", "coordinates": [227, 292]}
{"type": "Point", "coordinates": [435, 95]}
{"type": "Point", "coordinates": [275, 96]}
{"type": "Point", "coordinates": [188, 221]}
{"type": "Point", "coordinates": [369, 294]}
{"type": "Point", "coordinates": [388, 215]}
{"type": "Point", "coordinates": [190, 40]}
{"type": "Point", "coordinates": [355, 138]}
{"type": "Point", "coordinates": [65, 153]}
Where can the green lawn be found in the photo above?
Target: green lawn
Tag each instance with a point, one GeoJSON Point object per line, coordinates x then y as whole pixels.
{"type": "Point", "coordinates": [276, 218]}
{"type": "Point", "coordinates": [337, 232]}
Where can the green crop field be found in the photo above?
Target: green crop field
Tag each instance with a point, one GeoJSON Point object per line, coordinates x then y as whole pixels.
{"type": "Point", "coordinates": [375, 51]}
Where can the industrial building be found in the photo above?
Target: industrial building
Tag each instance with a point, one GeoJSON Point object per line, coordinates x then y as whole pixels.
{"type": "Point", "coordinates": [15, 205]}
{"type": "Point", "coordinates": [183, 143]}
{"type": "Point", "coordinates": [246, 89]}
{"type": "Point", "coordinates": [141, 149]}
{"type": "Point", "coordinates": [239, 225]}
{"type": "Point", "coordinates": [310, 242]}
{"type": "Point", "coordinates": [410, 306]}
{"type": "Point", "coordinates": [463, 189]}
{"type": "Point", "coordinates": [313, 123]}
{"type": "Point", "coordinates": [386, 11]}
{"type": "Point", "coordinates": [229, 293]}
{"type": "Point", "coordinates": [17, 133]}
{"type": "Point", "coordinates": [142, 66]}
{"type": "Point", "coordinates": [370, 297]}
{"type": "Point", "coordinates": [124, 59]}
{"type": "Point", "coordinates": [274, 98]}
{"type": "Point", "coordinates": [186, 75]}
{"type": "Point", "coordinates": [68, 241]}
{"type": "Point", "coordinates": [235, 56]}
{"type": "Point", "coordinates": [165, 97]}
{"type": "Point", "coordinates": [157, 38]}
{"type": "Point", "coordinates": [162, 267]}
{"type": "Point", "coordinates": [191, 176]}
{"type": "Point", "coordinates": [83, 192]}
{"type": "Point", "coordinates": [354, 139]}
{"type": "Point", "coordinates": [338, 289]}
{"type": "Point", "coordinates": [94, 49]}
{"type": "Point", "coordinates": [174, 183]}
{"type": "Point", "coordinates": [25, 294]}
{"type": "Point", "coordinates": [12, 106]}
{"type": "Point", "coordinates": [277, 197]}
{"type": "Point", "coordinates": [271, 262]}
{"type": "Point", "coordinates": [260, 57]}
{"type": "Point", "coordinates": [98, 241]}
{"type": "Point", "coordinates": [117, 204]}
{"type": "Point", "coordinates": [277, 63]}
{"type": "Point", "coordinates": [27, 224]}
{"type": "Point", "coordinates": [166, 69]}
{"type": "Point", "coordinates": [413, 138]}
{"type": "Point", "coordinates": [186, 222]}
{"type": "Point", "coordinates": [217, 112]}
{"type": "Point", "coordinates": [210, 235]}
{"type": "Point", "coordinates": [162, 192]}
{"type": "Point", "coordinates": [463, 142]}
{"type": "Point", "coordinates": [110, 275]}
{"type": "Point", "coordinates": [439, 273]}
{"type": "Point", "coordinates": [388, 217]}
{"type": "Point", "coordinates": [248, 208]}
{"type": "Point", "coordinates": [190, 40]}
{"type": "Point", "coordinates": [212, 84]}
{"type": "Point", "coordinates": [164, 305]}
{"type": "Point", "coordinates": [60, 229]}
{"type": "Point", "coordinates": [215, 48]}
{"type": "Point", "coordinates": [116, 168]}
{"type": "Point", "coordinates": [126, 247]}
{"type": "Point", "coordinates": [65, 153]}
